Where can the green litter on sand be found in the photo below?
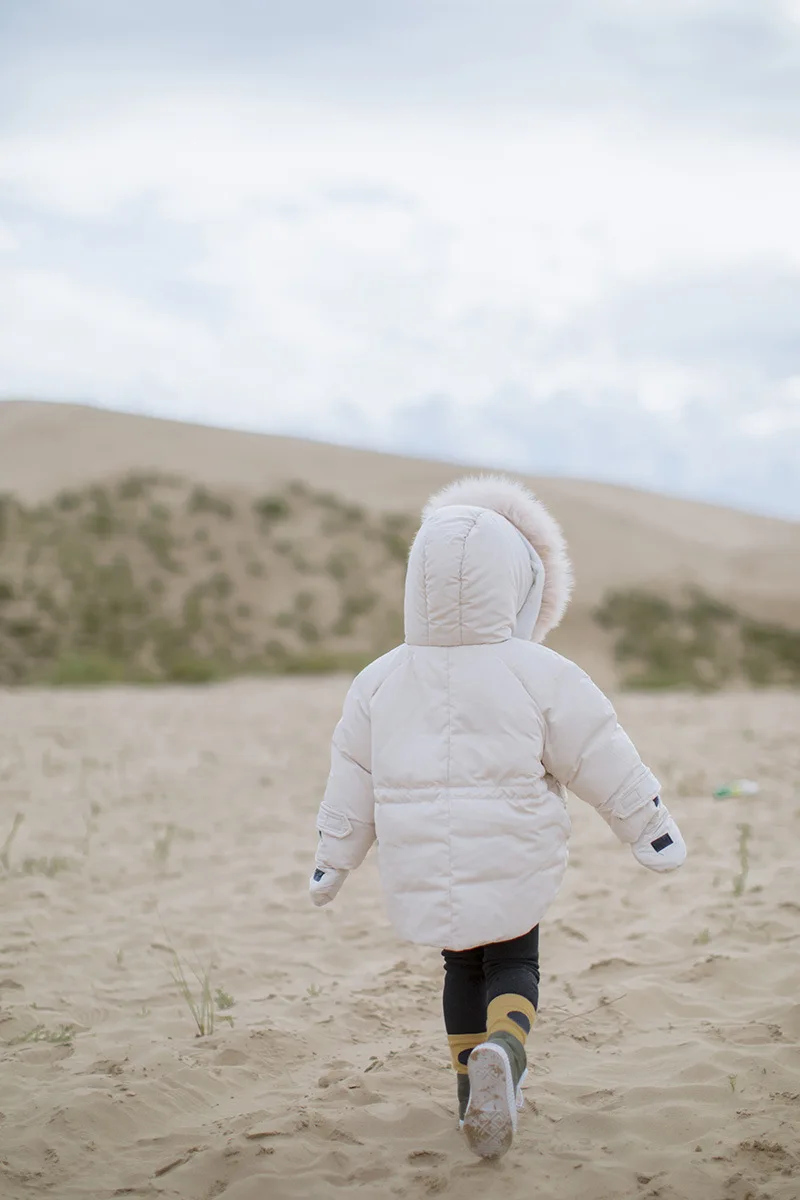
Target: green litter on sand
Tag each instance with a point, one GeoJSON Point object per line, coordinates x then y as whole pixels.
{"type": "Point", "coordinates": [742, 787]}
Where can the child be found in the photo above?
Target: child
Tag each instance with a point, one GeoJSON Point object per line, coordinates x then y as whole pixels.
{"type": "Point", "coordinates": [454, 751]}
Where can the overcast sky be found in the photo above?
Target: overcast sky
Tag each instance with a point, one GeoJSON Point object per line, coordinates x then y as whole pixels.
{"type": "Point", "coordinates": [555, 237]}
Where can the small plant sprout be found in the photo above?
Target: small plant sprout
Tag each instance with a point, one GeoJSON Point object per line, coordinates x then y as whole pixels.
{"type": "Point", "coordinates": [163, 845]}
{"type": "Point", "coordinates": [732, 1081]}
{"type": "Point", "coordinates": [740, 882]}
{"type": "Point", "coordinates": [90, 823]}
{"type": "Point", "coordinates": [202, 1004]}
{"type": "Point", "coordinates": [49, 867]}
{"type": "Point", "coordinates": [223, 999]}
{"type": "Point", "coordinates": [62, 1035]}
{"type": "Point", "coordinates": [703, 938]}
{"type": "Point", "coordinates": [5, 853]}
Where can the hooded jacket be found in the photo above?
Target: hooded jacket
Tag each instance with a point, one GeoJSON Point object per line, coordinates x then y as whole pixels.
{"type": "Point", "coordinates": [455, 749]}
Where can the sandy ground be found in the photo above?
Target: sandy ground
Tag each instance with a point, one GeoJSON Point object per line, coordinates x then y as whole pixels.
{"type": "Point", "coordinates": [665, 1061]}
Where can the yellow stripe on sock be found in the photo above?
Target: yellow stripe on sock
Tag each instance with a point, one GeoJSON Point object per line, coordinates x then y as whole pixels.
{"type": "Point", "coordinates": [510, 1014]}
{"type": "Point", "coordinates": [460, 1046]}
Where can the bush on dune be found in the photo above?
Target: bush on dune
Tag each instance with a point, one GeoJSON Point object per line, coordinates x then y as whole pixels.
{"type": "Point", "coordinates": [699, 643]}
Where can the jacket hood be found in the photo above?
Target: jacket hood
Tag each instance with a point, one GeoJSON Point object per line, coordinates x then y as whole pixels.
{"type": "Point", "coordinates": [488, 563]}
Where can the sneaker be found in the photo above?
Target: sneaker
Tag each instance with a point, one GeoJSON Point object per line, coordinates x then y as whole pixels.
{"type": "Point", "coordinates": [496, 1073]}
{"type": "Point", "coordinates": [463, 1096]}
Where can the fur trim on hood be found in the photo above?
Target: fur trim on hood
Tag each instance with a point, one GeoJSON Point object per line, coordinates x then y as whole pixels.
{"type": "Point", "coordinates": [518, 505]}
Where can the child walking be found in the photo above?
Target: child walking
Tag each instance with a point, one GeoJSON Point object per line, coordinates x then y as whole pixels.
{"type": "Point", "coordinates": [454, 751]}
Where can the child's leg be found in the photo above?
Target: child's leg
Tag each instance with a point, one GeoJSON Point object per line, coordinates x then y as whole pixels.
{"type": "Point", "coordinates": [464, 1003]}
{"type": "Point", "coordinates": [496, 1068]}
{"type": "Point", "coordinates": [511, 970]}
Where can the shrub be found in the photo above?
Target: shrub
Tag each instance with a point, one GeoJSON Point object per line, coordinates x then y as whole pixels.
{"type": "Point", "coordinates": [100, 521]}
{"type": "Point", "coordinates": [139, 483]}
{"type": "Point", "coordinates": [80, 670]}
{"type": "Point", "coordinates": [771, 654]}
{"type": "Point", "coordinates": [702, 643]}
{"type": "Point", "coordinates": [46, 603]}
{"type": "Point", "coordinates": [22, 628]}
{"type": "Point", "coordinates": [192, 609]}
{"type": "Point", "coordinates": [160, 541]}
{"type": "Point", "coordinates": [68, 501]}
{"type": "Point", "coordinates": [308, 631]}
{"type": "Point", "coordinates": [7, 506]}
{"type": "Point", "coordinates": [396, 534]}
{"type": "Point", "coordinates": [202, 500]}
{"type": "Point", "coordinates": [341, 563]}
{"type": "Point", "coordinates": [220, 586]}
{"type": "Point", "coordinates": [185, 668]}
{"type": "Point", "coordinates": [133, 487]}
{"type": "Point", "coordinates": [270, 509]}
{"type": "Point", "coordinates": [359, 605]}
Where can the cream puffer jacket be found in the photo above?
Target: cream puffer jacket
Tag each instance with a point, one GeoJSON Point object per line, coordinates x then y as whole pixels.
{"type": "Point", "coordinates": [455, 749]}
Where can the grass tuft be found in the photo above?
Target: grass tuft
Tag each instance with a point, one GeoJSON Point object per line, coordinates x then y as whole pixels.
{"type": "Point", "coordinates": [194, 985]}
{"type": "Point", "coordinates": [740, 882]}
{"type": "Point", "coordinates": [163, 845]}
{"type": "Point", "coordinates": [50, 867]}
{"type": "Point", "coordinates": [5, 853]}
{"type": "Point", "coordinates": [62, 1035]}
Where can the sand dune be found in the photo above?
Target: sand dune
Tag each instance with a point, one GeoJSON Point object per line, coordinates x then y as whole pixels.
{"type": "Point", "coordinates": [619, 537]}
{"type": "Point", "coordinates": [665, 1061]}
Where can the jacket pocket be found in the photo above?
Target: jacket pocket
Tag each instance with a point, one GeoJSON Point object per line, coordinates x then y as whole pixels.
{"type": "Point", "coordinates": [334, 823]}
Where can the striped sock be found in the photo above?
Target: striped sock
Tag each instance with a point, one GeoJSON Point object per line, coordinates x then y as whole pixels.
{"type": "Point", "coordinates": [511, 1014]}
{"type": "Point", "coordinates": [461, 1046]}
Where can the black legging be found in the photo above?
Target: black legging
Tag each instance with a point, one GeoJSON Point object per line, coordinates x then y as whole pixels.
{"type": "Point", "coordinates": [474, 977]}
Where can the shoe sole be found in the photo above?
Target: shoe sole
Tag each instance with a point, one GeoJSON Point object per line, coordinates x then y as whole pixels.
{"type": "Point", "coordinates": [491, 1118]}
{"type": "Point", "coordinates": [520, 1097]}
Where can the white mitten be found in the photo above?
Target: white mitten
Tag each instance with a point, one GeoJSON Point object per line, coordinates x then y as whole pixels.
{"type": "Point", "coordinates": [325, 884]}
{"type": "Point", "coordinates": [660, 846]}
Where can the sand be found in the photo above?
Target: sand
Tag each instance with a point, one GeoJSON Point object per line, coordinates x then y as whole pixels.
{"type": "Point", "coordinates": [665, 1060]}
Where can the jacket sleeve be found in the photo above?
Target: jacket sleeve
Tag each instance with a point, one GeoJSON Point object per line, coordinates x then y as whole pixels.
{"type": "Point", "coordinates": [588, 752]}
{"type": "Point", "coordinates": [346, 818]}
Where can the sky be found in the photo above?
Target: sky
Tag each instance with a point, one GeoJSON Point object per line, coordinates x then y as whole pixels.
{"type": "Point", "coordinates": [556, 238]}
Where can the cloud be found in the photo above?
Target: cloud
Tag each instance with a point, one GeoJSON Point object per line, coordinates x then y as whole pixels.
{"type": "Point", "coordinates": [731, 63]}
{"type": "Point", "coordinates": [746, 318]}
{"type": "Point", "coordinates": [443, 223]}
